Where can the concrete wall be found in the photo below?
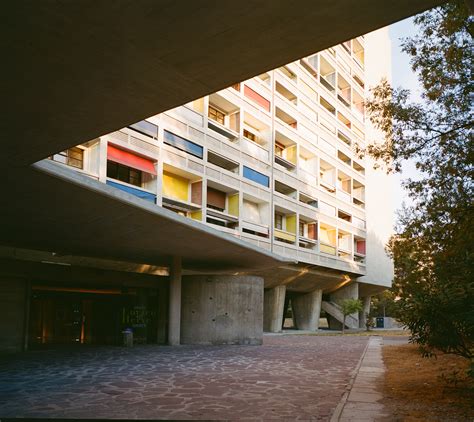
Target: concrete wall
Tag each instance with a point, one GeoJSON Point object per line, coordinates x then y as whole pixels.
{"type": "Point", "coordinates": [221, 309]}
{"type": "Point", "coordinates": [13, 294]}
{"type": "Point", "coordinates": [379, 186]}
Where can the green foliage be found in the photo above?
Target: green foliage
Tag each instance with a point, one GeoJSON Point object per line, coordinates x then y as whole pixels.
{"type": "Point", "coordinates": [433, 248]}
{"type": "Point", "coordinates": [349, 306]}
{"type": "Point", "coordinates": [384, 304]}
{"type": "Point", "coordinates": [369, 322]}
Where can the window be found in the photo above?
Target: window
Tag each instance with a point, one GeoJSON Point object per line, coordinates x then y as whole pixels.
{"type": "Point", "coordinates": [73, 157]}
{"type": "Point", "coordinates": [146, 128]}
{"type": "Point", "coordinates": [301, 229]}
{"type": "Point", "coordinates": [183, 144]}
{"type": "Point", "coordinates": [256, 176]}
{"type": "Point", "coordinates": [124, 173]}
{"type": "Point", "coordinates": [279, 221]}
{"type": "Point", "coordinates": [216, 115]}
{"type": "Point", "coordinates": [249, 135]}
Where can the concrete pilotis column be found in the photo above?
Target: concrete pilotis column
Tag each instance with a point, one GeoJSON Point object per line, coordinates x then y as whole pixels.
{"type": "Point", "coordinates": [273, 306]}
{"type": "Point", "coordinates": [174, 320]}
{"type": "Point", "coordinates": [365, 311]}
{"type": "Point", "coordinates": [222, 309]}
{"type": "Point", "coordinates": [306, 310]}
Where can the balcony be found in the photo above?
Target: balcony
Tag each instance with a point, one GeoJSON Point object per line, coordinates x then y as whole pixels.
{"type": "Point", "coordinates": [131, 173]}
{"type": "Point", "coordinates": [359, 168]}
{"type": "Point", "coordinates": [181, 191]}
{"type": "Point", "coordinates": [308, 233]}
{"type": "Point", "coordinates": [359, 249]}
{"type": "Point", "coordinates": [327, 176]}
{"type": "Point", "coordinates": [344, 242]}
{"type": "Point", "coordinates": [358, 52]}
{"type": "Point", "coordinates": [285, 225]}
{"type": "Point", "coordinates": [308, 200]}
{"type": "Point", "coordinates": [327, 239]}
{"type": "Point", "coordinates": [286, 94]}
{"type": "Point", "coordinates": [224, 117]}
{"type": "Point", "coordinates": [327, 75]}
{"type": "Point", "coordinates": [343, 186]}
{"type": "Point", "coordinates": [222, 162]}
{"type": "Point", "coordinates": [286, 118]}
{"type": "Point", "coordinates": [255, 216]}
{"type": "Point", "coordinates": [358, 193]}
{"type": "Point", "coordinates": [222, 205]}
{"type": "Point", "coordinates": [344, 91]}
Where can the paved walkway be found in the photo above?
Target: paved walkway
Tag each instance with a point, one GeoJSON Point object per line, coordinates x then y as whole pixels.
{"type": "Point", "coordinates": [292, 377]}
{"type": "Point", "coordinates": [363, 401]}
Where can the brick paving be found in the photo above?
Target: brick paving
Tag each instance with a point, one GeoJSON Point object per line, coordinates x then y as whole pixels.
{"type": "Point", "coordinates": [290, 377]}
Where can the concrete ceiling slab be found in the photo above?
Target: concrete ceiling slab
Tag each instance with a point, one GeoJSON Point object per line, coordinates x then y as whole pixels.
{"type": "Point", "coordinates": [74, 71]}
{"type": "Point", "coordinates": [56, 209]}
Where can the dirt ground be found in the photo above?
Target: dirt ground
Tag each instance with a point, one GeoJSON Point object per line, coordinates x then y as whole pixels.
{"type": "Point", "coordinates": [427, 389]}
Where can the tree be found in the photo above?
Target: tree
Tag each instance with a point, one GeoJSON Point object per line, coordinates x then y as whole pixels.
{"type": "Point", "coordinates": [384, 304]}
{"type": "Point", "coordinates": [433, 246]}
{"type": "Point", "coordinates": [349, 306]}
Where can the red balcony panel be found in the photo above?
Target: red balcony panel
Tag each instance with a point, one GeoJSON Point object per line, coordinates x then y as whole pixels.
{"type": "Point", "coordinates": [256, 97]}
{"type": "Point", "coordinates": [131, 160]}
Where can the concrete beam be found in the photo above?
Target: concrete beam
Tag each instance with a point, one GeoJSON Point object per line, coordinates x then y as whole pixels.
{"type": "Point", "coordinates": [124, 227]}
{"type": "Point", "coordinates": [306, 310]}
{"type": "Point", "coordinates": [273, 308]}
{"type": "Point", "coordinates": [99, 65]}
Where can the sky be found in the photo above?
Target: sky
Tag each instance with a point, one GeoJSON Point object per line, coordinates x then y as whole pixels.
{"type": "Point", "coordinates": [403, 76]}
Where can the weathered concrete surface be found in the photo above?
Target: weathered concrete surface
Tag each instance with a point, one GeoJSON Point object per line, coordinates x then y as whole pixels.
{"type": "Point", "coordinates": [273, 309]}
{"type": "Point", "coordinates": [122, 226]}
{"type": "Point", "coordinates": [89, 57]}
{"type": "Point", "coordinates": [289, 377]}
{"type": "Point", "coordinates": [174, 306]}
{"type": "Point", "coordinates": [306, 310]}
{"type": "Point", "coordinates": [13, 304]}
{"type": "Point", "coordinates": [222, 309]}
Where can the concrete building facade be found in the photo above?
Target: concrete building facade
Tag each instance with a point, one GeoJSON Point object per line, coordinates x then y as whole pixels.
{"type": "Point", "coordinates": [270, 161]}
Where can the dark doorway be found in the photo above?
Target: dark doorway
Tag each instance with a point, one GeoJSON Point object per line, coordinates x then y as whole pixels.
{"type": "Point", "coordinates": [74, 315]}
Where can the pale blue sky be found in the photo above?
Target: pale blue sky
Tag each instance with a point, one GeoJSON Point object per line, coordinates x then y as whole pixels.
{"type": "Point", "coordinates": [403, 76]}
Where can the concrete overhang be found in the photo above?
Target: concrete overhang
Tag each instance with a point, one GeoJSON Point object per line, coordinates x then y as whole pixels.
{"type": "Point", "coordinates": [76, 70]}
{"type": "Point", "coordinates": [304, 278]}
{"type": "Point", "coordinates": [56, 209]}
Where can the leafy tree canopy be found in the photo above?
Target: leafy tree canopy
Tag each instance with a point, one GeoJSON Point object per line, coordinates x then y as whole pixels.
{"type": "Point", "coordinates": [349, 306]}
{"type": "Point", "coordinates": [433, 246]}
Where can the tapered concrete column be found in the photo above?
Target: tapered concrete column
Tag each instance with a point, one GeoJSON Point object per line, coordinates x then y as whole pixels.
{"type": "Point", "coordinates": [306, 310]}
{"type": "Point", "coordinates": [174, 320]}
{"type": "Point", "coordinates": [273, 307]}
{"type": "Point", "coordinates": [365, 311]}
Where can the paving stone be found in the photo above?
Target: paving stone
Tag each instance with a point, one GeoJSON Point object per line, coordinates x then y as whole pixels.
{"type": "Point", "coordinates": [287, 378]}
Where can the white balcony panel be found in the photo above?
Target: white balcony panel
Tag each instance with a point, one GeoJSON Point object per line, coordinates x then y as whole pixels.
{"type": "Point", "coordinates": [189, 115]}
{"type": "Point", "coordinates": [343, 196]}
{"type": "Point", "coordinates": [255, 150]}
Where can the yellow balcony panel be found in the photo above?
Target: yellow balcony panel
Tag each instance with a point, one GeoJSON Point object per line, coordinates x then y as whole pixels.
{"type": "Point", "coordinates": [280, 234]}
{"type": "Point", "coordinates": [175, 186]}
{"type": "Point", "coordinates": [234, 205]}
{"type": "Point", "coordinates": [291, 224]}
{"type": "Point", "coordinates": [331, 250]}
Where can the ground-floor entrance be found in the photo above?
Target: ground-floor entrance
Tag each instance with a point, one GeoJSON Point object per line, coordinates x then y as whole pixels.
{"type": "Point", "coordinates": [85, 315]}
